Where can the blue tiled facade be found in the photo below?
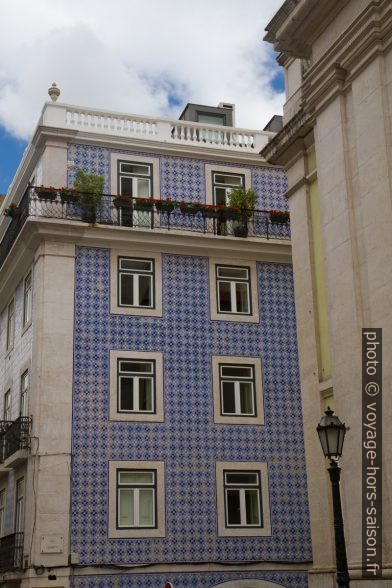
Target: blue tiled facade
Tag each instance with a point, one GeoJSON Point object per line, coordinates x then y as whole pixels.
{"type": "Point", "coordinates": [188, 441]}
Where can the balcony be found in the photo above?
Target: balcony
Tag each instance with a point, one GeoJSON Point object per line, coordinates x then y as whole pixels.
{"type": "Point", "coordinates": [11, 550]}
{"type": "Point", "coordinates": [133, 214]}
{"type": "Point", "coordinates": [14, 441]}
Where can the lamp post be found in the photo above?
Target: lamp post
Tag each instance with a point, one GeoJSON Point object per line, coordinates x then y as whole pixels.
{"type": "Point", "coordinates": [331, 432]}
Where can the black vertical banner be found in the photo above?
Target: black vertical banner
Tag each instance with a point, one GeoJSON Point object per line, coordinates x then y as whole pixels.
{"type": "Point", "coordinates": [371, 453]}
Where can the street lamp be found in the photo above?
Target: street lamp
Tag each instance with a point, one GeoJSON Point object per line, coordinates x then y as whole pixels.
{"type": "Point", "coordinates": [331, 432]}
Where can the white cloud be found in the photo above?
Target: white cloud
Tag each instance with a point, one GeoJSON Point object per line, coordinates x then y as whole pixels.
{"type": "Point", "coordinates": [135, 56]}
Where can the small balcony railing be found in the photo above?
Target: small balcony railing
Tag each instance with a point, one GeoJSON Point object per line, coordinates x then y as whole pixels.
{"type": "Point", "coordinates": [14, 435]}
{"type": "Point", "coordinates": [134, 214]}
{"type": "Point", "coordinates": [11, 550]}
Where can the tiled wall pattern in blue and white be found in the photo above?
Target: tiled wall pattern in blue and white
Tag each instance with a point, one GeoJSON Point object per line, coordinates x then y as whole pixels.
{"type": "Point", "coordinates": [187, 441]}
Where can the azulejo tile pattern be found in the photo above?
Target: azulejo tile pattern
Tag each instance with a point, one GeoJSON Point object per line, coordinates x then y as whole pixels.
{"type": "Point", "coordinates": [188, 441]}
{"type": "Point", "coordinates": [189, 580]}
{"type": "Point", "coordinates": [181, 178]}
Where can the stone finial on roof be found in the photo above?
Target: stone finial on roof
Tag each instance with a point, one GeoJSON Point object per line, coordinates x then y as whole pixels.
{"type": "Point", "coordinates": [54, 92]}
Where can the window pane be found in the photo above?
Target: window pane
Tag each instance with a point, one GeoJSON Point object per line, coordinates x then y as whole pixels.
{"type": "Point", "coordinates": [228, 180]}
{"type": "Point", "coordinates": [2, 498]}
{"type": "Point", "coordinates": [136, 366]}
{"type": "Point", "coordinates": [211, 119]}
{"type": "Point", "coordinates": [145, 290]}
{"type": "Point", "coordinates": [228, 398]}
{"type": "Point", "coordinates": [224, 296]}
{"type": "Point", "coordinates": [241, 291]}
{"type": "Point", "coordinates": [145, 394]}
{"type": "Point", "coordinates": [136, 477]}
{"type": "Point", "coordinates": [143, 188]}
{"type": "Point", "coordinates": [126, 289]}
{"type": "Point", "coordinates": [241, 478]}
{"type": "Point", "coordinates": [220, 195]}
{"type": "Point", "coordinates": [126, 186]}
{"type": "Point", "coordinates": [233, 507]}
{"type": "Point", "coordinates": [126, 394]}
{"type": "Point", "coordinates": [232, 371]}
{"type": "Point", "coordinates": [126, 507]}
{"type": "Point", "coordinates": [136, 264]}
{"type": "Point", "coordinates": [133, 168]}
{"type": "Point", "coordinates": [233, 272]}
{"type": "Point", "coordinates": [252, 504]}
{"type": "Point", "coordinates": [146, 507]}
{"type": "Point", "coordinates": [246, 397]}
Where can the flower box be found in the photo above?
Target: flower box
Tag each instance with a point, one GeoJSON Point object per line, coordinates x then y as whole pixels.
{"type": "Point", "coordinates": [13, 211]}
{"type": "Point", "coordinates": [68, 195]}
{"type": "Point", "coordinates": [143, 204]}
{"type": "Point", "coordinates": [165, 206]}
{"type": "Point", "coordinates": [122, 202]}
{"type": "Point", "coordinates": [279, 217]}
{"type": "Point", "coordinates": [46, 193]}
{"type": "Point", "coordinates": [190, 207]}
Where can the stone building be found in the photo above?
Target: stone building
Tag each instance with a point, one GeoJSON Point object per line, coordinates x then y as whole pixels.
{"type": "Point", "coordinates": [152, 425]}
{"type": "Point", "coordinates": [336, 147]}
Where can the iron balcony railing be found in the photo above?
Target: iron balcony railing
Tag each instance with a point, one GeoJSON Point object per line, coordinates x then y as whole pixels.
{"type": "Point", "coordinates": [11, 550]}
{"type": "Point", "coordinates": [14, 435]}
{"type": "Point", "coordinates": [133, 214]}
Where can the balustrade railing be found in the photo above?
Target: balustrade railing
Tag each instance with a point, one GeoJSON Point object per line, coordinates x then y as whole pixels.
{"type": "Point", "coordinates": [11, 550]}
{"type": "Point", "coordinates": [14, 435]}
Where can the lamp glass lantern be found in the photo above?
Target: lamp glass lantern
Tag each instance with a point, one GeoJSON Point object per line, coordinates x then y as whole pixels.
{"type": "Point", "coordinates": [331, 432]}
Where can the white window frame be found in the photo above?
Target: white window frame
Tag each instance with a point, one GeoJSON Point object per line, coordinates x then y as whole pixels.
{"type": "Point", "coordinates": [7, 406]}
{"type": "Point", "coordinates": [136, 376]}
{"type": "Point", "coordinates": [136, 487]}
{"type": "Point", "coordinates": [10, 335]}
{"type": "Point", "coordinates": [115, 308]}
{"type": "Point", "coordinates": [136, 274]}
{"type": "Point", "coordinates": [236, 381]}
{"type": "Point", "coordinates": [3, 498]}
{"type": "Point", "coordinates": [216, 313]}
{"type": "Point", "coordinates": [19, 504]}
{"type": "Point", "coordinates": [238, 419]}
{"type": "Point", "coordinates": [233, 281]}
{"type": "Point", "coordinates": [224, 169]}
{"type": "Point", "coordinates": [114, 413]}
{"type": "Point", "coordinates": [115, 158]}
{"type": "Point", "coordinates": [24, 393]}
{"type": "Point", "coordinates": [27, 299]}
{"type": "Point", "coordinates": [226, 187]}
{"type": "Point", "coordinates": [133, 532]}
{"type": "Point", "coordinates": [263, 530]}
{"type": "Point", "coordinates": [242, 489]}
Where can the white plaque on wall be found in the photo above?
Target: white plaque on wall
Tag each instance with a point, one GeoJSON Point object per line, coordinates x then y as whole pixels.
{"type": "Point", "coordinates": [52, 544]}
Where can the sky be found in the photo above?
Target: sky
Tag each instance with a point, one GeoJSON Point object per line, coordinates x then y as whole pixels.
{"type": "Point", "coordinates": [149, 57]}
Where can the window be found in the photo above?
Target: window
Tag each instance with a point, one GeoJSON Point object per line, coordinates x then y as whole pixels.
{"type": "Point", "coordinates": [222, 185]}
{"type": "Point", "coordinates": [24, 390]}
{"type": "Point", "coordinates": [2, 511]}
{"type": "Point", "coordinates": [27, 299]}
{"type": "Point", "coordinates": [136, 499]}
{"type": "Point", "coordinates": [10, 324]}
{"type": "Point", "coordinates": [233, 289]}
{"type": "Point", "coordinates": [242, 499]}
{"type": "Point", "coordinates": [211, 119]}
{"type": "Point", "coordinates": [135, 179]}
{"type": "Point", "coordinates": [243, 502]}
{"type": "Point", "coordinates": [19, 505]}
{"type": "Point", "coordinates": [136, 282]}
{"type": "Point", "coordinates": [237, 389]}
{"type": "Point", "coordinates": [7, 405]}
{"type": "Point", "coordinates": [136, 385]}
{"type": "Point", "coordinates": [136, 492]}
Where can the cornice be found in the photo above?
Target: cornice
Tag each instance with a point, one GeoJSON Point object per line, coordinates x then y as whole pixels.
{"type": "Point", "coordinates": [289, 140]}
{"type": "Point", "coordinates": [37, 230]}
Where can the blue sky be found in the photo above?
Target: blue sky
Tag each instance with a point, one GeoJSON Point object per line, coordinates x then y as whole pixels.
{"type": "Point", "coordinates": [175, 56]}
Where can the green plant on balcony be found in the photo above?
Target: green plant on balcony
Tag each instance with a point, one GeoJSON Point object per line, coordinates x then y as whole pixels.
{"type": "Point", "coordinates": [45, 193]}
{"type": "Point", "coordinates": [12, 211]}
{"type": "Point", "coordinates": [90, 187]}
{"type": "Point", "coordinates": [279, 217]}
{"type": "Point", "coordinates": [244, 200]}
{"type": "Point", "coordinates": [165, 205]}
{"type": "Point", "coordinates": [190, 207]}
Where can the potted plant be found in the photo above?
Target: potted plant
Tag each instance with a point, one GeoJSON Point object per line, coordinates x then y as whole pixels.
{"type": "Point", "coordinates": [68, 195]}
{"type": "Point", "coordinates": [13, 210]}
{"type": "Point", "coordinates": [190, 207]}
{"type": "Point", "coordinates": [90, 187]}
{"type": "Point", "coordinates": [165, 205]}
{"type": "Point", "coordinates": [280, 217]}
{"type": "Point", "coordinates": [46, 193]}
{"type": "Point", "coordinates": [245, 200]}
{"type": "Point", "coordinates": [144, 204]}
